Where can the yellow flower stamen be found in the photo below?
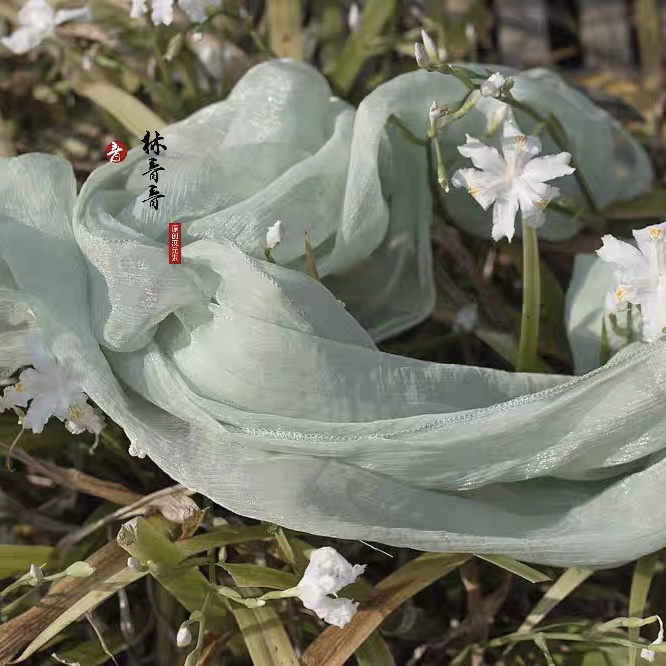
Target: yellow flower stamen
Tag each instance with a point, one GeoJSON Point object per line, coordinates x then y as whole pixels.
{"type": "Point", "coordinates": [74, 412]}
{"type": "Point", "coordinates": [655, 233]}
{"type": "Point", "coordinates": [520, 142]}
{"type": "Point", "coordinates": [621, 293]}
{"type": "Point", "coordinates": [475, 190]}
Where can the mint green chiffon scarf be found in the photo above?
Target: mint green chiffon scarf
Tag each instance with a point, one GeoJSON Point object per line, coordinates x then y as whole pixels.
{"type": "Point", "coordinates": [264, 390]}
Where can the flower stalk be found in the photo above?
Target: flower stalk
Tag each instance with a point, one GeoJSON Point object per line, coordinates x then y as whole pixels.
{"type": "Point", "coordinates": [529, 324]}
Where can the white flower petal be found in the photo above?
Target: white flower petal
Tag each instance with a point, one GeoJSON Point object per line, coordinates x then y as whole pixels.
{"type": "Point", "coordinates": [429, 45]}
{"type": "Point", "coordinates": [483, 186]}
{"type": "Point", "coordinates": [518, 149]}
{"type": "Point", "coordinates": [646, 237]}
{"type": "Point", "coordinates": [138, 8]}
{"type": "Point", "coordinates": [23, 40]}
{"type": "Point", "coordinates": [328, 572]}
{"type": "Point", "coordinates": [492, 85]}
{"type": "Point", "coordinates": [354, 18]}
{"type": "Point", "coordinates": [627, 260]}
{"type": "Point", "coordinates": [162, 12]}
{"type": "Point", "coordinates": [337, 612]}
{"type": "Point", "coordinates": [504, 218]}
{"type": "Point", "coordinates": [482, 156]}
{"type": "Point", "coordinates": [653, 309]}
{"type": "Point", "coordinates": [14, 396]}
{"type": "Point", "coordinates": [274, 235]}
{"type": "Point", "coordinates": [541, 169]}
{"type": "Point", "coordinates": [420, 55]}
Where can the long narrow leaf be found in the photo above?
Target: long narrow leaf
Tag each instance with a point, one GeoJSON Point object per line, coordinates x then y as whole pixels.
{"type": "Point", "coordinates": [17, 559]}
{"type": "Point", "coordinates": [125, 108]}
{"type": "Point", "coordinates": [640, 587]}
{"type": "Point", "coordinates": [558, 591]}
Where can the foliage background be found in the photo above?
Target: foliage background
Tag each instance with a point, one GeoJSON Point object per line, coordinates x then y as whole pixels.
{"type": "Point", "coordinates": [64, 498]}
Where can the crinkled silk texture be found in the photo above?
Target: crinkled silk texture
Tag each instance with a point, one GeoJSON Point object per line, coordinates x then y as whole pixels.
{"type": "Point", "coordinates": [252, 384]}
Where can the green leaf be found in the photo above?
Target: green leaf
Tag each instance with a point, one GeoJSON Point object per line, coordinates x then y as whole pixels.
{"type": "Point", "coordinates": [558, 591]}
{"type": "Point", "coordinates": [252, 575]}
{"type": "Point", "coordinates": [284, 28]}
{"type": "Point", "coordinates": [515, 567]}
{"type": "Point", "coordinates": [264, 635]}
{"type": "Point", "coordinates": [651, 205]}
{"type": "Point", "coordinates": [125, 108]}
{"type": "Point", "coordinates": [286, 551]}
{"type": "Point", "coordinates": [374, 652]}
{"type": "Point", "coordinates": [71, 598]}
{"type": "Point", "coordinates": [149, 545]}
{"type": "Point", "coordinates": [91, 652]}
{"type": "Point", "coordinates": [505, 345]}
{"type": "Point", "coordinates": [222, 536]}
{"type": "Point", "coordinates": [348, 65]}
{"type": "Point", "coordinates": [640, 587]}
{"type": "Point", "coordinates": [17, 559]}
{"type": "Point", "coordinates": [542, 645]}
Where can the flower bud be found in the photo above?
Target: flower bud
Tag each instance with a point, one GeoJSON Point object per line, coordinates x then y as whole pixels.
{"type": "Point", "coordinates": [36, 574]}
{"type": "Point", "coordinates": [134, 563]}
{"type": "Point", "coordinates": [79, 570]}
{"type": "Point", "coordinates": [430, 46]}
{"type": "Point", "coordinates": [422, 59]}
{"type": "Point", "coordinates": [274, 235]}
{"type": "Point", "coordinates": [184, 636]}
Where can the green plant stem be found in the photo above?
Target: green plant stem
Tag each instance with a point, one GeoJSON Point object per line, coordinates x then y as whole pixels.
{"type": "Point", "coordinates": [529, 325]}
{"type": "Point", "coordinates": [442, 178]}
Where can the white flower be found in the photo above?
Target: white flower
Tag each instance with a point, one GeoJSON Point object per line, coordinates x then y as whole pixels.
{"type": "Point", "coordinates": [81, 417]}
{"type": "Point", "coordinates": [492, 85]}
{"type": "Point", "coordinates": [274, 235]}
{"type": "Point", "coordinates": [135, 451]}
{"type": "Point", "coordinates": [162, 10]}
{"type": "Point", "coordinates": [184, 636]}
{"type": "Point", "coordinates": [641, 274]}
{"type": "Point", "coordinates": [354, 18]}
{"type": "Point", "coordinates": [648, 654]}
{"type": "Point", "coordinates": [37, 21]}
{"type": "Point", "coordinates": [466, 318]}
{"type": "Point", "coordinates": [515, 179]}
{"type": "Point", "coordinates": [52, 390]}
{"type": "Point", "coordinates": [327, 573]}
